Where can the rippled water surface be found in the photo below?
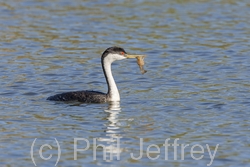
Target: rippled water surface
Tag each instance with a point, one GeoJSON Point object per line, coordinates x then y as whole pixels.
{"type": "Point", "coordinates": [197, 88]}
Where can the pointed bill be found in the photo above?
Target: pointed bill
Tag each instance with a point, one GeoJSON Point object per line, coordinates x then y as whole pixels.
{"type": "Point", "coordinates": [134, 56]}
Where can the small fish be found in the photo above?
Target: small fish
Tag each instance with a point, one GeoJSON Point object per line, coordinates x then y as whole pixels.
{"type": "Point", "coordinates": [140, 62]}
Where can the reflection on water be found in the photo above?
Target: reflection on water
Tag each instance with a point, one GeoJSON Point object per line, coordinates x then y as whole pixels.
{"type": "Point", "coordinates": [112, 131]}
{"type": "Point", "coordinates": [196, 87]}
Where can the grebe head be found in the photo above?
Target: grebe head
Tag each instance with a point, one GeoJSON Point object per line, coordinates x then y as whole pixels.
{"type": "Point", "coordinates": [114, 53]}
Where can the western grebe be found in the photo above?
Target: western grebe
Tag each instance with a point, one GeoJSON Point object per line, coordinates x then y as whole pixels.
{"type": "Point", "coordinates": [108, 57]}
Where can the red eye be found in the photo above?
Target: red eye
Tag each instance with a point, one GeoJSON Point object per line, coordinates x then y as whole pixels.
{"type": "Point", "coordinates": [122, 53]}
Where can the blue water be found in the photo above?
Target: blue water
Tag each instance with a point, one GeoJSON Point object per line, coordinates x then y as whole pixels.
{"type": "Point", "coordinates": [196, 90]}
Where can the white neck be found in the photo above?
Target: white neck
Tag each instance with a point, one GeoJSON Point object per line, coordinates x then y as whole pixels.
{"type": "Point", "coordinates": [113, 93]}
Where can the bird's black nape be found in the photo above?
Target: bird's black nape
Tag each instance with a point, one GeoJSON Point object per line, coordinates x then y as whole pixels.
{"type": "Point", "coordinates": [114, 49]}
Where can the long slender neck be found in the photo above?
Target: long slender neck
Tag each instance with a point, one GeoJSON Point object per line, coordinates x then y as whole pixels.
{"type": "Point", "coordinates": [113, 93]}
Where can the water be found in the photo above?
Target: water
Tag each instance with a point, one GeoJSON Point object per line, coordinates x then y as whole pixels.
{"type": "Point", "coordinates": [196, 88]}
